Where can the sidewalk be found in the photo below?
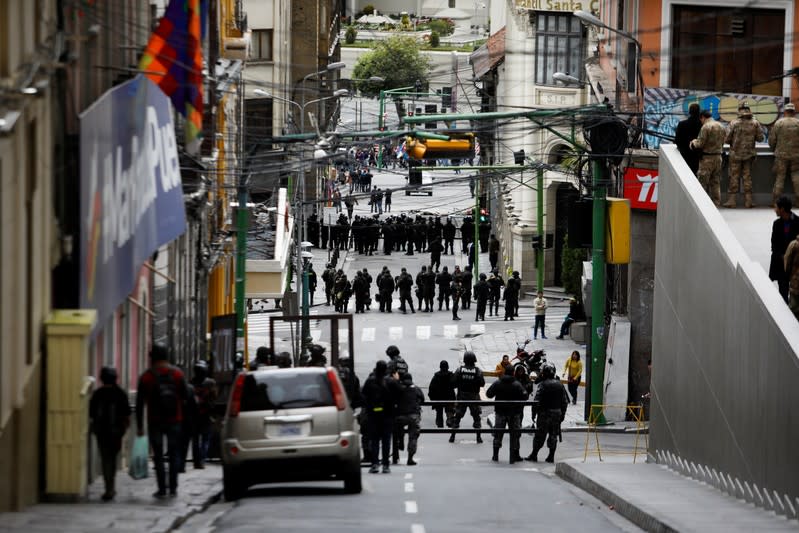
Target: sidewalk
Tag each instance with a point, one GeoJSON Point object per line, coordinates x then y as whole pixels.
{"type": "Point", "coordinates": [658, 499]}
{"type": "Point", "coordinates": [133, 509]}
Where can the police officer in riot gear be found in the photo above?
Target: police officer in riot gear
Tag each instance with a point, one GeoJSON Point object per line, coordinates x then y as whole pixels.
{"type": "Point", "coordinates": [469, 380]}
{"type": "Point", "coordinates": [396, 364]}
{"type": "Point", "coordinates": [409, 414]}
{"type": "Point", "coordinates": [551, 409]}
{"type": "Point", "coordinates": [507, 388]}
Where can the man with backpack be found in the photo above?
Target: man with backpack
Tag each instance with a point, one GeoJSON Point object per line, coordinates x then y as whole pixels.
{"type": "Point", "coordinates": [162, 388]}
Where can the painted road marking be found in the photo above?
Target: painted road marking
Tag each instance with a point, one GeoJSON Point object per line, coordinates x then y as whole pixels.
{"type": "Point", "coordinates": [411, 507]}
{"type": "Point", "coordinates": [417, 528]}
{"type": "Point", "coordinates": [450, 332]}
{"type": "Point", "coordinates": [368, 335]}
{"type": "Point", "coordinates": [422, 332]}
{"type": "Point", "coordinates": [477, 328]}
{"type": "Point", "coordinates": [408, 487]}
{"type": "Point", "coordinates": [408, 476]}
{"type": "Point", "coordinates": [395, 333]}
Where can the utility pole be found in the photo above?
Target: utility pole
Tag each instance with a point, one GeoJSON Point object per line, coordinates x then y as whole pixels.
{"type": "Point", "coordinates": [242, 216]}
{"type": "Point", "coordinates": [539, 258]}
{"type": "Point", "coordinates": [597, 375]}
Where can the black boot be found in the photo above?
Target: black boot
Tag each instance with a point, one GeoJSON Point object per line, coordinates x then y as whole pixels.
{"type": "Point", "coordinates": [495, 457]}
{"type": "Point", "coordinates": [411, 462]}
{"type": "Point", "coordinates": [533, 456]}
{"type": "Point", "coordinates": [551, 457]}
{"type": "Point", "coordinates": [479, 438]}
{"type": "Point", "coordinates": [452, 437]}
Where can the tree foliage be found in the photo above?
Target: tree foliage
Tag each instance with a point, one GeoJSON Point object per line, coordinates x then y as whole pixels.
{"type": "Point", "coordinates": [350, 35]}
{"type": "Point", "coordinates": [572, 271]}
{"type": "Point", "coordinates": [397, 60]}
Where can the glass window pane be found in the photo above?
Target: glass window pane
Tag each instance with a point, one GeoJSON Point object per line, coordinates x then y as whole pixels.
{"type": "Point", "coordinates": [575, 25]}
{"type": "Point", "coordinates": [539, 59]}
{"type": "Point", "coordinates": [562, 55]}
{"type": "Point", "coordinates": [563, 23]}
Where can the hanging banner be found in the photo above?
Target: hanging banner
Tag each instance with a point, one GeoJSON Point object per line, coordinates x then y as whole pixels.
{"type": "Point", "coordinates": [131, 199]}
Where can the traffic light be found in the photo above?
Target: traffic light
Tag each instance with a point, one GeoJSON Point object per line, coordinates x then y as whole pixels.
{"type": "Point", "coordinates": [484, 216]}
{"type": "Point", "coordinates": [460, 146]}
{"type": "Point", "coordinates": [518, 157]}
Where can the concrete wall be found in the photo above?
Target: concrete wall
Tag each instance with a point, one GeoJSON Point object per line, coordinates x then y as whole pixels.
{"type": "Point", "coordinates": [725, 363]}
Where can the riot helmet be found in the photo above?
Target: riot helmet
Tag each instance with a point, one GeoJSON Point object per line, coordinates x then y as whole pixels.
{"type": "Point", "coordinates": [469, 358]}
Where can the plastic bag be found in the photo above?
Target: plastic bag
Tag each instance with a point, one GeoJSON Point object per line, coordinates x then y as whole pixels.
{"type": "Point", "coordinates": [138, 458]}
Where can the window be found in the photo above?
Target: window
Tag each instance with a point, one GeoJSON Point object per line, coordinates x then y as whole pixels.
{"type": "Point", "coordinates": [731, 50]}
{"type": "Point", "coordinates": [559, 46]}
{"type": "Point", "coordinates": [452, 3]}
{"type": "Point", "coordinates": [285, 389]}
{"type": "Point", "coordinates": [262, 45]}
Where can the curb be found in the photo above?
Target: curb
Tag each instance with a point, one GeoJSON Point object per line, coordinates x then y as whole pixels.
{"type": "Point", "coordinates": [216, 495]}
{"type": "Point", "coordinates": [628, 510]}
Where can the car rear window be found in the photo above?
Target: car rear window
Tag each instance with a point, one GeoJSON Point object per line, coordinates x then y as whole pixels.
{"type": "Point", "coordinates": [285, 389]}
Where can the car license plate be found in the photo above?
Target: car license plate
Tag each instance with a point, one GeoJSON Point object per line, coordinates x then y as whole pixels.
{"type": "Point", "coordinates": [290, 430]}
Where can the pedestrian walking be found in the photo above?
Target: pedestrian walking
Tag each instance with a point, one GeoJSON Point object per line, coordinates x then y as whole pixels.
{"type": "Point", "coordinates": [409, 418]}
{"type": "Point", "coordinates": [540, 304]}
{"type": "Point", "coordinates": [455, 291]}
{"type": "Point", "coordinates": [711, 143]}
{"type": "Point", "coordinates": [442, 388]}
{"type": "Point", "coordinates": [495, 284]}
{"type": "Point", "coordinates": [493, 251]}
{"type": "Point", "coordinates": [205, 394]}
{"type": "Point", "coordinates": [468, 380]}
{"type": "Point", "coordinates": [574, 374]}
{"type": "Point", "coordinates": [511, 295]}
{"type": "Point", "coordinates": [481, 290]}
{"type": "Point", "coordinates": [551, 403]}
{"type": "Point", "coordinates": [109, 413]}
{"type": "Point", "coordinates": [380, 395]}
{"type": "Point", "coordinates": [783, 231]}
{"type": "Point", "coordinates": [466, 284]}
{"type": "Point", "coordinates": [387, 200]}
{"type": "Point", "coordinates": [742, 134]}
{"type": "Point", "coordinates": [784, 140]}
{"type": "Point", "coordinates": [162, 390]}
{"type": "Point", "coordinates": [506, 388]}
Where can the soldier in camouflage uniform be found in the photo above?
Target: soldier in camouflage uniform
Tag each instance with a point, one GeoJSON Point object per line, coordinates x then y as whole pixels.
{"type": "Point", "coordinates": [742, 133]}
{"type": "Point", "coordinates": [784, 140]}
{"type": "Point", "coordinates": [710, 142]}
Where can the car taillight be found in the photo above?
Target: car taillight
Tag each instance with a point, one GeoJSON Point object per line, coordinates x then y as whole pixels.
{"type": "Point", "coordinates": [338, 392]}
{"type": "Point", "coordinates": [235, 398]}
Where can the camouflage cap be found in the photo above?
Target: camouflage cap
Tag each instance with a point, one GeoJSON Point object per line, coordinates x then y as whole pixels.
{"type": "Point", "coordinates": [790, 107]}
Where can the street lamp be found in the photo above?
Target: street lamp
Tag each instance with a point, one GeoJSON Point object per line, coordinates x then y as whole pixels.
{"type": "Point", "coordinates": [567, 79]}
{"type": "Point", "coordinates": [591, 20]}
{"type": "Point", "coordinates": [598, 284]}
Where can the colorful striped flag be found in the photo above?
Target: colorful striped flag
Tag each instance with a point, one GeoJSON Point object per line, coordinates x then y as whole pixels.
{"type": "Point", "coordinates": [173, 61]}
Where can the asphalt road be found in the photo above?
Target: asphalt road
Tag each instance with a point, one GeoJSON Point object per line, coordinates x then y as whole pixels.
{"type": "Point", "coordinates": [455, 487]}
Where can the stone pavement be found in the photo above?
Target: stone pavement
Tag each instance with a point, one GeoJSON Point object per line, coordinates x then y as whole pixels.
{"type": "Point", "coordinates": [133, 509]}
{"type": "Point", "coordinates": [658, 499]}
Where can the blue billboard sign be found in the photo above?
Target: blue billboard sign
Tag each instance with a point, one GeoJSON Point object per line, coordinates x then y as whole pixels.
{"type": "Point", "coordinates": [131, 198]}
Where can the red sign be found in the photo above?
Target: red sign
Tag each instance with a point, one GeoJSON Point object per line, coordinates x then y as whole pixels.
{"type": "Point", "coordinates": [641, 188]}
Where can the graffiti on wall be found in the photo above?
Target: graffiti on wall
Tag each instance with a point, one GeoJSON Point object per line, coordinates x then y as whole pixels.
{"type": "Point", "coordinates": [665, 107]}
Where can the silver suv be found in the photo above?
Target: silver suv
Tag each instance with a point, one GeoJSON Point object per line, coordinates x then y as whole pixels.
{"type": "Point", "coordinates": [289, 424]}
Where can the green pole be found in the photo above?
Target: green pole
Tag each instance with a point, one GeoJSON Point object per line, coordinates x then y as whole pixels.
{"type": "Point", "coordinates": [380, 125]}
{"type": "Point", "coordinates": [476, 236]}
{"type": "Point", "coordinates": [539, 258]}
{"type": "Point", "coordinates": [241, 266]}
{"type": "Point", "coordinates": [598, 287]}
